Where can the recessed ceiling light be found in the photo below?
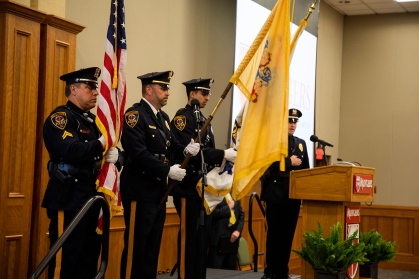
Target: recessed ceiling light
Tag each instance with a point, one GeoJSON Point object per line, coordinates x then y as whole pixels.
{"type": "Point", "coordinates": [407, 0]}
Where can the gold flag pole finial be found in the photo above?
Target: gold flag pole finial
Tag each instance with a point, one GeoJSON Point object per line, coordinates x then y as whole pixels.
{"type": "Point", "coordinates": [303, 24]}
{"type": "Point", "coordinates": [311, 9]}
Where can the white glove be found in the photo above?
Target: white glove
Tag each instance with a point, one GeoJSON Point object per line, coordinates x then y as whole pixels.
{"type": "Point", "coordinates": [102, 141]}
{"type": "Point", "coordinates": [192, 148]}
{"type": "Point", "coordinates": [111, 155]}
{"type": "Point", "coordinates": [176, 173]}
{"type": "Point", "coordinates": [230, 155]}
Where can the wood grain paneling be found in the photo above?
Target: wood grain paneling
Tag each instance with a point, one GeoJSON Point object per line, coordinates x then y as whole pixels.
{"type": "Point", "coordinates": [330, 183]}
{"type": "Point", "coordinates": [19, 64]}
{"type": "Point", "coordinates": [116, 245]}
{"type": "Point", "coordinates": [168, 248]}
{"type": "Point", "coordinates": [399, 224]}
{"type": "Point", "coordinates": [12, 256]}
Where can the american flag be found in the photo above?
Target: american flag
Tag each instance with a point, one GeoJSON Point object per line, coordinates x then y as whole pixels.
{"type": "Point", "coordinates": [111, 107]}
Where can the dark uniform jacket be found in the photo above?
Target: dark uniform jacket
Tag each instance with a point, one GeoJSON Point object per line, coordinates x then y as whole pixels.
{"type": "Point", "coordinates": [185, 128]}
{"type": "Point", "coordinates": [221, 219]}
{"type": "Point", "coordinates": [275, 184]}
{"type": "Point", "coordinates": [71, 137]}
{"type": "Point", "coordinates": [144, 177]}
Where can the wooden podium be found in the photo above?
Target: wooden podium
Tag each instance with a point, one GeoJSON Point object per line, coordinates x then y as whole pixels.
{"type": "Point", "coordinates": [326, 193]}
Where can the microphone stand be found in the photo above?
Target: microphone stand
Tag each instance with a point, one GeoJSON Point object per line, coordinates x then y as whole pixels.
{"type": "Point", "coordinates": [322, 146]}
{"type": "Point", "coordinates": [203, 173]}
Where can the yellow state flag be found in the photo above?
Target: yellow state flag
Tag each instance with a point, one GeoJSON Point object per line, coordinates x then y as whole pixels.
{"type": "Point", "coordinates": [263, 77]}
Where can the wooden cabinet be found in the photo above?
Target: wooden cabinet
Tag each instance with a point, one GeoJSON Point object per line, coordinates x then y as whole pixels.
{"type": "Point", "coordinates": [19, 66]}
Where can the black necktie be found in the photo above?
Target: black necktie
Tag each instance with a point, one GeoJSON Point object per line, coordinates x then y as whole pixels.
{"type": "Point", "coordinates": [290, 144]}
{"type": "Point", "coordinates": [160, 119]}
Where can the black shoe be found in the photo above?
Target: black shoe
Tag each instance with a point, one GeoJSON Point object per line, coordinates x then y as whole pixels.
{"type": "Point", "coordinates": [267, 276]}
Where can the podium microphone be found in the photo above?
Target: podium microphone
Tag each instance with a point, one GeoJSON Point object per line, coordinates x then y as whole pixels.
{"type": "Point", "coordinates": [314, 138]}
{"type": "Point", "coordinates": [195, 106]}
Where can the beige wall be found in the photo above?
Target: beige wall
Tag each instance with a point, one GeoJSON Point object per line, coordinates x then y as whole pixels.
{"type": "Point", "coordinates": [54, 7]}
{"type": "Point", "coordinates": [23, 2]}
{"type": "Point", "coordinates": [380, 102]}
{"type": "Point", "coordinates": [328, 77]}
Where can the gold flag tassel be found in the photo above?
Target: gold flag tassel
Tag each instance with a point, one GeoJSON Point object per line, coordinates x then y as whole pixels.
{"type": "Point", "coordinates": [115, 78]}
{"type": "Point", "coordinates": [115, 72]}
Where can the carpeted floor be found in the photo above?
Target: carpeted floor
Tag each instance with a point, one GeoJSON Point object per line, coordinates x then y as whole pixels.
{"type": "Point", "coordinates": [222, 274]}
{"type": "Point", "coordinates": [397, 274]}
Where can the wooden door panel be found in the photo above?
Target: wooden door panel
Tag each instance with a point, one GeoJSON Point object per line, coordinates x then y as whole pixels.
{"type": "Point", "coordinates": [19, 94]}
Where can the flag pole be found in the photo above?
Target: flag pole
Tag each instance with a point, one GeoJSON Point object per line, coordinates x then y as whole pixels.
{"type": "Point", "coordinates": [115, 75]}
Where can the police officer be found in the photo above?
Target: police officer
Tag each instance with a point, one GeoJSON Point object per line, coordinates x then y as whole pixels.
{"type": "Point", "coordinates": [75, 147]}
{"type": "Point", "coordinates": [149, 143]}
{"type": "Point", "coordinates": [185, 127]}
{"type": "Point", "coordinates": [281, 211]}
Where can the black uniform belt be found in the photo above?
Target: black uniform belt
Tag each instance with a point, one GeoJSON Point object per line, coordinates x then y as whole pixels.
{"type": "Point", "coordinates": [160, 157]}
{"type": "Point", "coordinates": [279, 174]}
{"type": "Point", "coordinates": [71, 169]}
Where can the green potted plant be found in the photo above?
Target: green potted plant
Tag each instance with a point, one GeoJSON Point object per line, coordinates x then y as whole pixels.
{"type": "Point", "coordinates": [377, 250]}
{"type": "Point", "coordinates": [330, 257]}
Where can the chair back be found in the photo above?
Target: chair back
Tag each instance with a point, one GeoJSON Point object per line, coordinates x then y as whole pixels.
{"type": "Point", "coordinates": [243, 256]}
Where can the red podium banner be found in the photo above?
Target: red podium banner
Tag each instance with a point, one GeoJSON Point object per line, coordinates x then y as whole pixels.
{"type": "Point", "coordinates": [352, 220]}
{"type": "Point", "coordinates": [363, 184]}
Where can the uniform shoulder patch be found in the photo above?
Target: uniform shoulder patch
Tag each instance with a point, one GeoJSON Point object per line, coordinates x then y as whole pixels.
{"type": "Point", "coordinates": [180, 122]}
{"type": "Point", "coordinates": [132, 117]}
{"type": "Point", "coordinates": [59, 119]}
